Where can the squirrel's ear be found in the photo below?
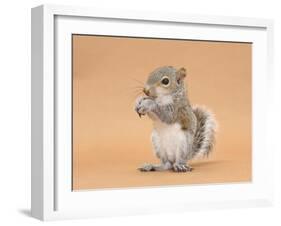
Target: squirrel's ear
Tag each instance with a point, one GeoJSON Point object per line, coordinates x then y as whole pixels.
{"type": "Point", "coordinates": [181, 73]}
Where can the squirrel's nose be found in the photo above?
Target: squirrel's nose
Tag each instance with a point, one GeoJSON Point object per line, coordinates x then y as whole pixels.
{"type": "Point", "coordinates": [146, 91]}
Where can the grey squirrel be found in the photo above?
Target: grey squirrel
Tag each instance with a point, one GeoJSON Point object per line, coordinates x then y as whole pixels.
{"type": "Point", "coordinates": [180, 131]}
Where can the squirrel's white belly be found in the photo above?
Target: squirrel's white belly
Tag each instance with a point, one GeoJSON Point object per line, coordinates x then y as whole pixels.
{"type": "Point", "coordinates": [169, 140]}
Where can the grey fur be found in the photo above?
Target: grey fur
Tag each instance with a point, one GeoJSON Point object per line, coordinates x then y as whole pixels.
{"type": "Point", "coordinates": [197, 125]}
{"type": "Point", "coordinates": [205, 134]}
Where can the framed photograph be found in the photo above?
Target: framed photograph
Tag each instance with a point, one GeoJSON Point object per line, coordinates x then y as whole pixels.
{"type": "Point", "coordinates": [141, 112]}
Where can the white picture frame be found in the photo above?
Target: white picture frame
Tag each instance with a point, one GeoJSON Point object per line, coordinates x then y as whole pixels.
{"type": "Point", "coordinates": [52, 197]}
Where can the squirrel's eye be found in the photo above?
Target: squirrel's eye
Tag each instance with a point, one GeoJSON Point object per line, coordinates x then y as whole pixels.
{"type": "Point", "coordinates": [165, 81]}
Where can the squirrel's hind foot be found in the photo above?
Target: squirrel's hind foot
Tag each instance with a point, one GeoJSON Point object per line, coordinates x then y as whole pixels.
{"type": "Point", "coordinates": [146, 168]}
{"type": "Point", "coordinates": [181, 168]}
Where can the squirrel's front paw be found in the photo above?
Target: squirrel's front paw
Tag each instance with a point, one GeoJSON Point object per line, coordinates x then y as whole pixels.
{"type": "Point", "coordinates": [144, 105]}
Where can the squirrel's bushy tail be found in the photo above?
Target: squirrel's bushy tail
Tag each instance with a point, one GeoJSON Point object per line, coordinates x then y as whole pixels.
{"type": "Point", "coordinates": [205, 134]}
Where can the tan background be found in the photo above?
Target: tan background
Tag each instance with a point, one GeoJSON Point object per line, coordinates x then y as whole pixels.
{"type": "Point", "coordinates": [109, 139]}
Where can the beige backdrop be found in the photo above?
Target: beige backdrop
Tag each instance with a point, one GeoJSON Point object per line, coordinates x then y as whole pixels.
{"type": "Point", "coordinates": [109, 139]}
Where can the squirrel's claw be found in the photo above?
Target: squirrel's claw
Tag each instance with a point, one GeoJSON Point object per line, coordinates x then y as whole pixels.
{"type": "Point", "coordinates": [137, 110]}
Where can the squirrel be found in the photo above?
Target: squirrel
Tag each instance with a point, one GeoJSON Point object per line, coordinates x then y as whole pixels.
{"type": "Point", "coordinates": [180, 131]}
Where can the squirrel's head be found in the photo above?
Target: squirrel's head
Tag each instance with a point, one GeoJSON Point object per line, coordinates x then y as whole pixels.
{"type": "Point", "coordinates": [164, 81]}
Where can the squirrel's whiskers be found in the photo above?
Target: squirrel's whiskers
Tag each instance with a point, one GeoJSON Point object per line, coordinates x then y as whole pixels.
{"type": "Point", "coordinates": [134, 92]}
{"type": "Point", "coordinates": [138, 81]}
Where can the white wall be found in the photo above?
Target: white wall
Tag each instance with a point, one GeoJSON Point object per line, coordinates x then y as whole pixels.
{"type": "Point", "coordinates": [15, 111]}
